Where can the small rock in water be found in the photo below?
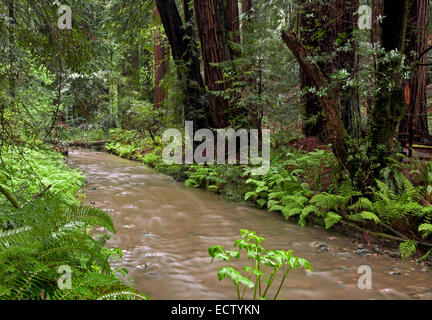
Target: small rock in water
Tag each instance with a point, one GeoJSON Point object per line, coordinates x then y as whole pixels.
{"type": "Point", "coordinates": [145, 266]}
{"type": "Point", "coordinates": [363, 252]}
{"type": "Point", "coordinates": [386, 291]}
{"type": "Point", "coordinates": [323, 247]}
{"type": "Point", "coordinates": [314, 244]}
{"type": "Point", "coordinates": [92, 202]}
{"type": "Point", "coordinates": [395, 272]}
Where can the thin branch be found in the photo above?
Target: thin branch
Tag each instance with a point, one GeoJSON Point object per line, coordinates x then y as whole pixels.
{"type": "Point", "coordinates": [42, 193]}
{"type": "Point", "coordinates": [383, 235]}
{"type": "Point", "coordinates": [392, 230]}
{"type": "Point", "coordinates": [425, 52]}
{"type": "Point", "coordinates": [11, 199]}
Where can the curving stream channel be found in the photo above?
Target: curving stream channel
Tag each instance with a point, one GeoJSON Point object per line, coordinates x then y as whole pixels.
{"type": "Point", "coordinates": [165, 229]}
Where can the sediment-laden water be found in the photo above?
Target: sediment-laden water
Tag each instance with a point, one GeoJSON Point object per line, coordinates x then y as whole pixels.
{"type": "Point", "coordinates": [165, 229]}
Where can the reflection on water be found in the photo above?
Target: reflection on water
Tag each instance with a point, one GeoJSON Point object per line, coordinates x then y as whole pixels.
{"type": "Point", "coordinates": [165, 229]}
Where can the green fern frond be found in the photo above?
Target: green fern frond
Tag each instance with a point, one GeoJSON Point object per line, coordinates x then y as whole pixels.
{"type": "Point", "coordinates": [331, 219]}
{"type": "Point", "coordinates": [123, 295]}
{"type": "Point", "coordinates": [407, 248]}
{"type": "Point", "coordinates": [364, 216]}
{"type": "Point", "coordinates": [425, 229]}
{"type": "Point", "coordinates": [91, 216]}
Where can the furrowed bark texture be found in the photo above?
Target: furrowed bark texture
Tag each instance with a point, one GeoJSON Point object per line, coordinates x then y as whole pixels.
{"type": "Point", "coordinates": [233, 24]}
{"type": "Point", "coordinates": [210, 17]}
{"type": "Point", "coordinates": [161, 60]}
{"type": "Point", "coordinates": [417, 41]}
{"type": "Point", "coordinates": [337, 19]}
{"type": "Point", "coordinates": [183, 49]}
{"type": "Point", "coordinates": [161, 64]}
{"type": "Point", "coordinates": [330, 103]}
{"type": "Point", "coordinates": [389, 106]}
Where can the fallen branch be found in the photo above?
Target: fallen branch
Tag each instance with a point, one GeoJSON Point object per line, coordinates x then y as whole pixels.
{"type": "Point", "coordinates": [392, 230]}
{"type": "Point", "coordinates": [11, 199]}
{"type": "Point", "coordinates": [330, 102]}
{"type": "Point", "coordinates": [41, 194]}
{"type": "Point", "coordinates": [383, 235]}
{"type": "Point", "coordinates": [84, 144]}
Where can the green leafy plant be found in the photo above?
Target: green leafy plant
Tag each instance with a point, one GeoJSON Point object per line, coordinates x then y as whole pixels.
{"type": "Point", "coordinates": [261, 260]}
{"type": "Point", "coordinates": [42, 237]}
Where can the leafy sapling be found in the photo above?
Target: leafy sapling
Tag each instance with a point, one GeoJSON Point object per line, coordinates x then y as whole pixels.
{"type": "Point", "coordinates": [261, 261]}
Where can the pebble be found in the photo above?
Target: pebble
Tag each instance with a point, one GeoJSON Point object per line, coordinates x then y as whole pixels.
{"type": "Point", "coordinates": [363, 252]}
{"type": "Point", "coordinates": [314, 244]}
{"type": "Point", "coordinates": [323, 247]}
{"type": "Point", "coordinates": [394, 272]}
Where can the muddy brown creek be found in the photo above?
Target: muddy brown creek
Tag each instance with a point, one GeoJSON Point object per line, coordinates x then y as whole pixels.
{"type": "Point", "coordinates": [165, 229]}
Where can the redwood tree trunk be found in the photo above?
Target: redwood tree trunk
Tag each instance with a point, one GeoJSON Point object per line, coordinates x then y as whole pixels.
{"type": "Point", "coordinates": [12, 75]}
{"type": "Point", "coordinates": [330, 103]}
{"type": "Point", "coordinates": [183, 51]}
{"type": "Point", "coordinates": [417, 42]}
{"type": "Point", "coordinates": [337, 18]}
{"type": "Point", "coordinates": [233, 25]}
{"type": "Point", "coordinates": [247, 8]}
{"type": "Point", "coordinates": [161, 63]}
{"type": "Point", "coordinates": [389, 106]}
{"type": "Point", "coordinates": [210, 17]}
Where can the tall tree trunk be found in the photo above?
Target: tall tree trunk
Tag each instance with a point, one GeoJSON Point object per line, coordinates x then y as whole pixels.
{"type": "Point", "coordinates": [233, 25]}
{"type": "Point", "coordinates": [12, 75]}
{"type": "Point", "coordinates": [161, 63]}
{"type": "Point", "coordinates": [330, 103]}
{"type": "Point", "coordinates": [247, 11]}
{"type": "Point", "coordinates": [389, 106]}
{"type": "Point", "coordinates": [312, 111]}
{"type": "Point", "coordinates": [183, 49]}
{"type": "Point", "coordinates": [416, 119]}
{"type": "Point", "coordinates": [251, 69]}
{"type": "Point", "coordinates": [210, 17]}
{"type": "Point", "coordinates": [337, 19]}
{"type": "Point", "coordinates": [350, 98]}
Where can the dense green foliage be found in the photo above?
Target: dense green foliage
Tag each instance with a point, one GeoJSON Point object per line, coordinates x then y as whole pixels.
{"type": "Point", "coordinates": [121, 76]}
{"type": "Point", "coordinates": [304, 186]}
{"type": "Point", "coordinates": [50, 231]}
{"type": "Point", "coordinates": [261, 259]}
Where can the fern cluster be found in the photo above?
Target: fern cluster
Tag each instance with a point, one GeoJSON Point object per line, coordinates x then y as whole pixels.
{"type": "Point", "coordinates": [41, 238]}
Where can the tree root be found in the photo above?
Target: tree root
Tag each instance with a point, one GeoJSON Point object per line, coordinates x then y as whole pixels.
{"type": "Point", "coordinates": [383, 235]}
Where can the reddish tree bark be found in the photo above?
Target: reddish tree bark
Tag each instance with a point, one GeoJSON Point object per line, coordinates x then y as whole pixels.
{"type": "Point", "coordinates": [161, 64]}
{"type": "Point", "coordinates": [330, 103]}
{"type": "Point", "coordinates": [233, 24]}
{"type": "Point", "coordinates": [417, 117]}
{"type": "Point", "coordinates": [247, 11]}
{"type": "Point", "coordinates": [336, 18]}
{"type": "Point", "coordinates": [210, 17]}
{"type": "Point", "coordinates": [183, 50]}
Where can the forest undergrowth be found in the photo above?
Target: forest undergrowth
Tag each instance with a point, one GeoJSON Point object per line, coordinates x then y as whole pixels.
{"type": "Point", "coordinates": [47, 248]}
{"type": "Point", "coordinates": [311, 188]}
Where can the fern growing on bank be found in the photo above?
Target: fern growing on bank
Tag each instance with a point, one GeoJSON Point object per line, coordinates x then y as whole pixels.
{"type": "Point", "coordinates": [42, 237]}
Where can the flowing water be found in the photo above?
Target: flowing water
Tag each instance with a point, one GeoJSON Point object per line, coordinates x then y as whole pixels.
{"type": "Point", "coordinates": [165, 229]}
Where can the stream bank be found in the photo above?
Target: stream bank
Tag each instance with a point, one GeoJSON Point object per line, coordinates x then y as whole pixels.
{"type": "Point", "coordinates": [165, 229]}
